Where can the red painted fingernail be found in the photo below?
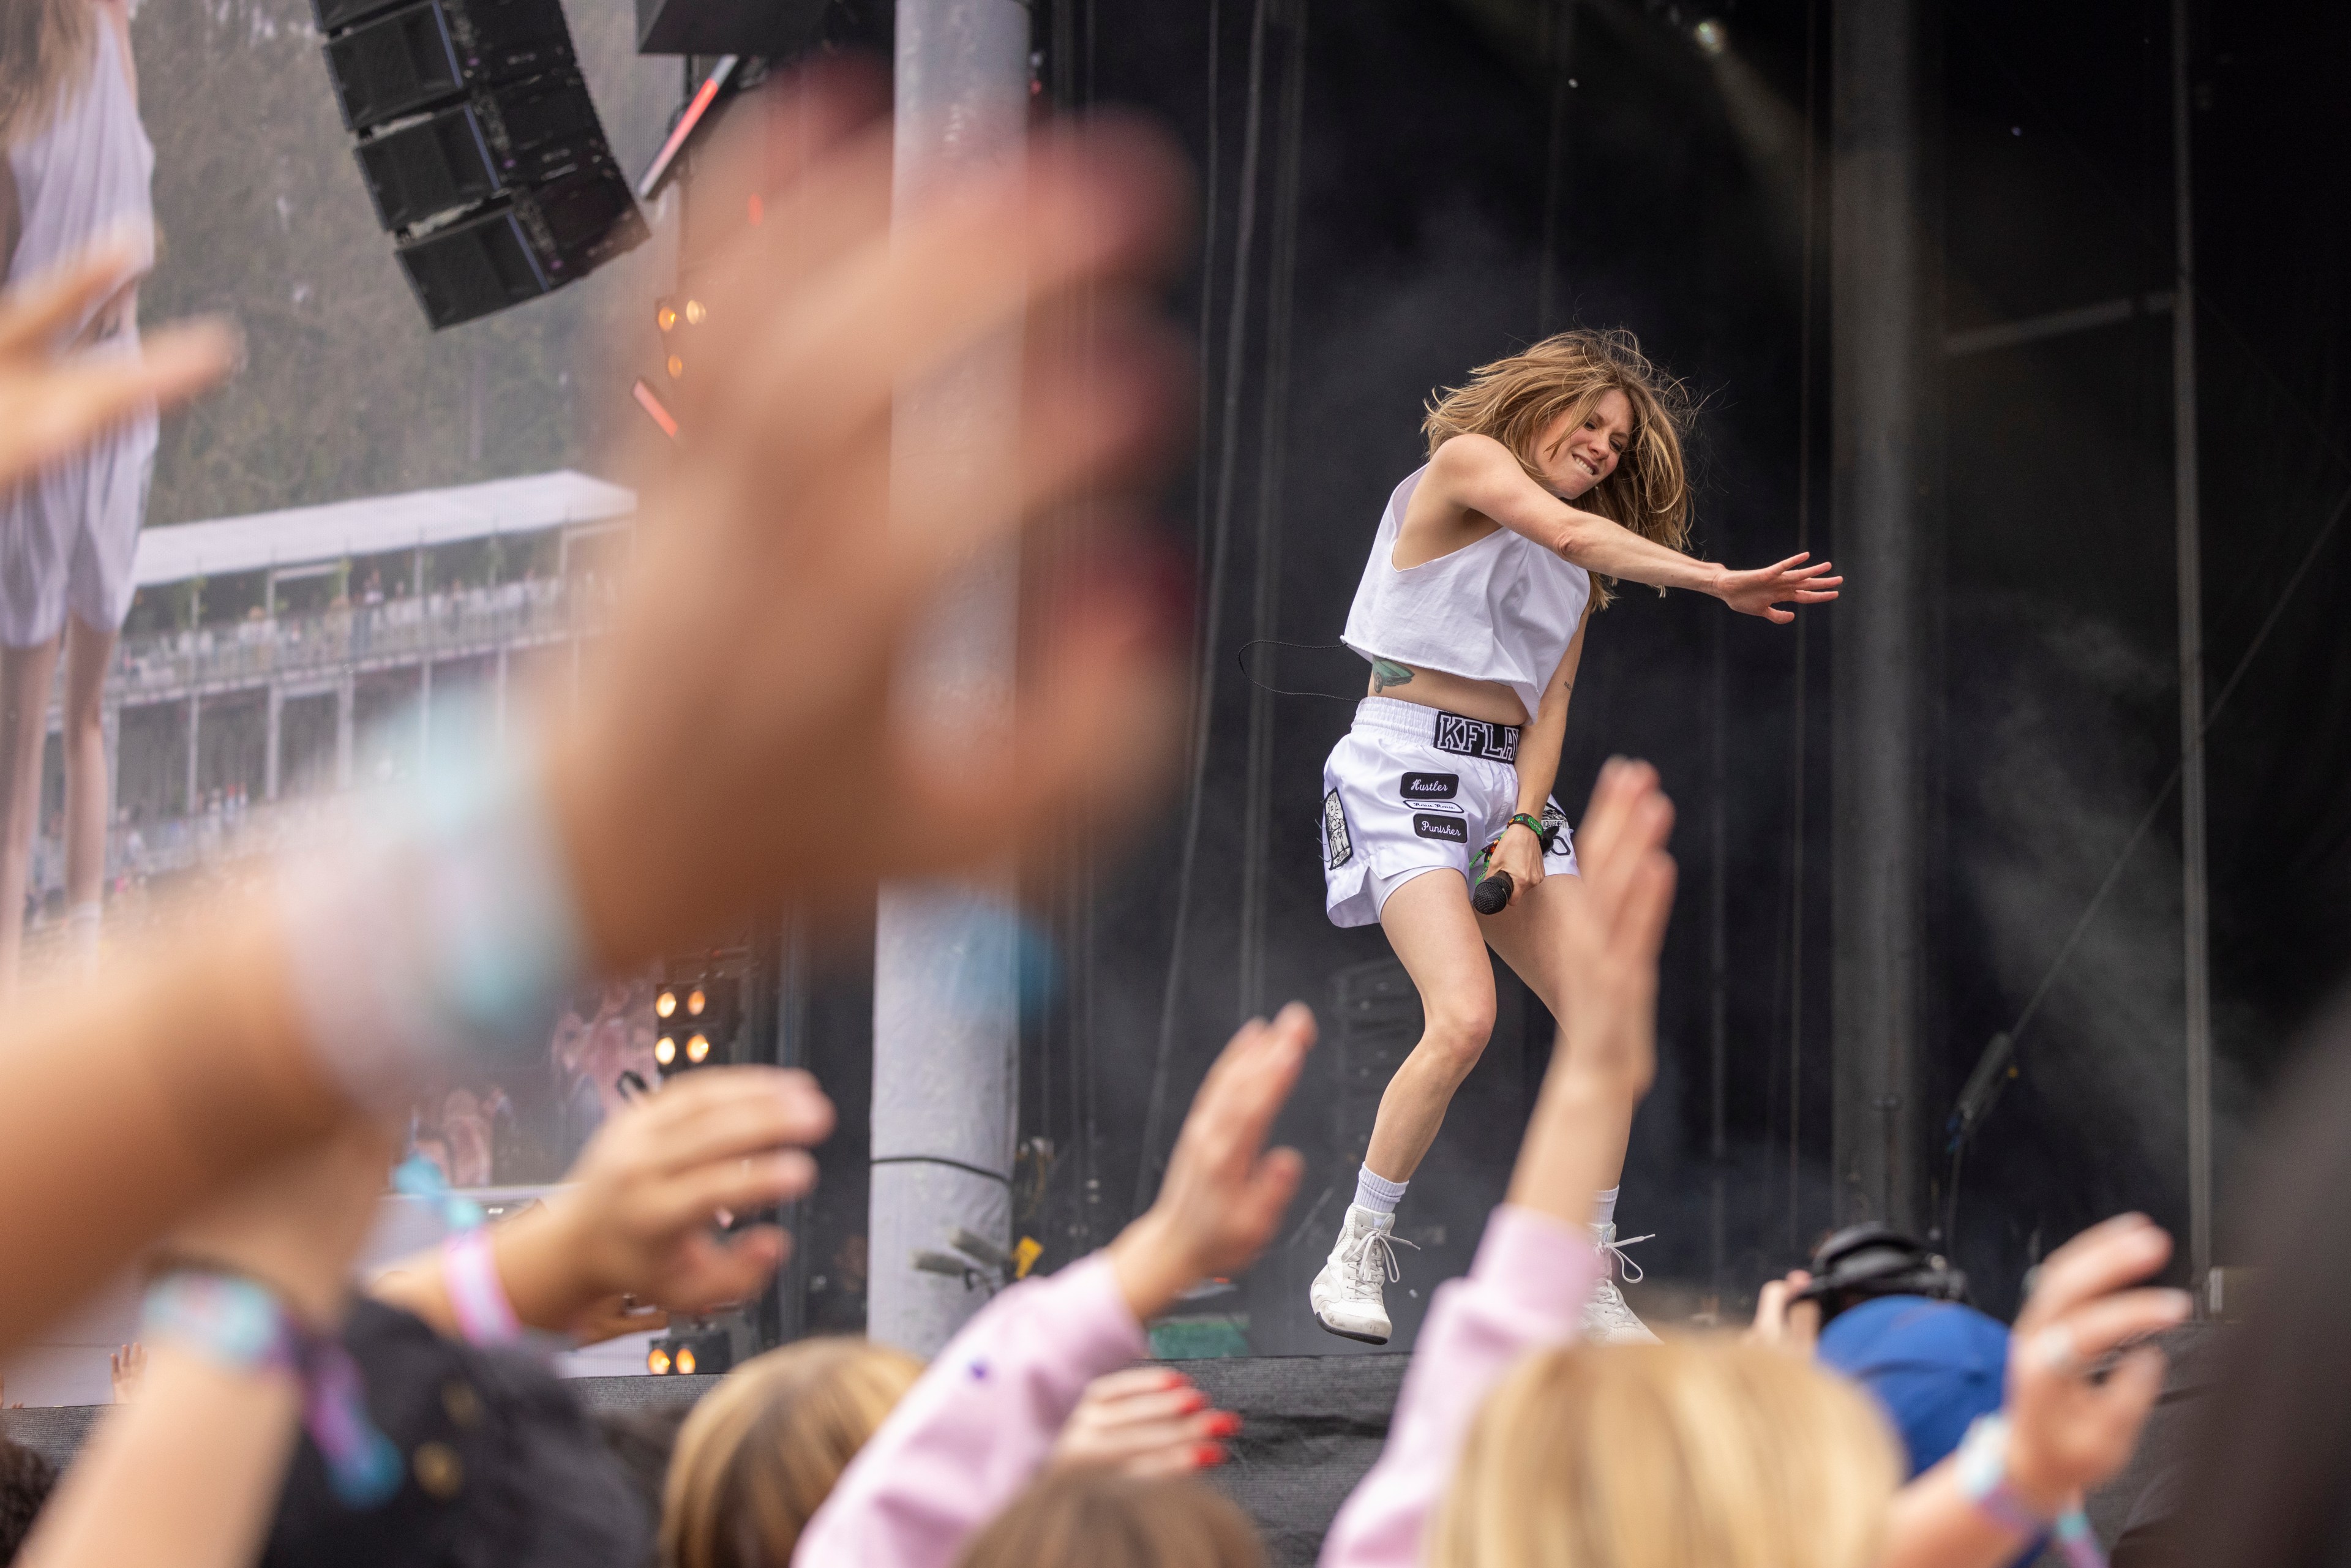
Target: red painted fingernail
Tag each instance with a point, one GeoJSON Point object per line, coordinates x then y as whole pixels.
{"type": "Point", "coordinates": [1207, 1454]}
{"type": "Point", "coordinates": [1225, 1424]}
{"type": "Point", "coordinates": [1195, 1400]}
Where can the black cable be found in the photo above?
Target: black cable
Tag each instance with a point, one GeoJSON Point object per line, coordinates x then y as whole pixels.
{"type": "Point", "coordinates": [1242, 658]}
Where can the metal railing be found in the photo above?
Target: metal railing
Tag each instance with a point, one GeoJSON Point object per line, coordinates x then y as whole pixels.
{"type": "Point", "coordinates": [397, 632]}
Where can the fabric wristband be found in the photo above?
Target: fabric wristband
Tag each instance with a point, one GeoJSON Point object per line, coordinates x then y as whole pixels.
{"type": "Point", "coordinates": [477, 1295]}
{"type": "Point", "coordinates": [236, 1323]}
{"type": "Point", "coordinates": [241, 1324]}
{"type": "Point", "coordinates": [449, 933]}
{"type": "Point", "coordinates": [1985, 1482]}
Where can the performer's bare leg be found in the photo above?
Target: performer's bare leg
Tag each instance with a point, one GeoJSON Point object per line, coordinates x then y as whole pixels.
{"type": "Point", "coordinates": [89, 803]}
{"type": "Point", "coordinates": [1430, 925]}
{"type": "Point", "coordinates": [1442, 944]}
{"type": "Point", "coordinates": [26, 676]}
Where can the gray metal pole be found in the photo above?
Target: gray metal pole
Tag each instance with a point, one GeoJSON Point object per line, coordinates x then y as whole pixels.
{"type": "Point", "coordinates": [1879, 507]}
{"type": "Point", "coordinates": [946, 1008]}
{"type": "Point", "coordinates": [2194, 921]}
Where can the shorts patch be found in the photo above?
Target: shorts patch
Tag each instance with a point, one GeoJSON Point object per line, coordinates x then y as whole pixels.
{"type": "Point", "coordinates": [1429, 825]}
{"type": "Point", "coordinates": [1337, 850]}
{"type": "Point", "coordinates": [1476, 738]}
{"type": "Point", "coordinates": [1555, 822]}
{"type": "Point", "coordinates": [1431, 785]}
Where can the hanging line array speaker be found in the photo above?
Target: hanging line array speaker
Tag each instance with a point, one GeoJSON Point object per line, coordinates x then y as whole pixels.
{"type": "Point", "coordinates": [479, 146]}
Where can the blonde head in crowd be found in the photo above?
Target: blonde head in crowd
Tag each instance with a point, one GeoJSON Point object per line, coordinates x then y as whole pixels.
{"type": "Point", "coordinates": [1099, 1519]}
{"type": "Point", "coordinates": [764, 1447]}
{"type": "Point", "coordinates": [1516, 400]}
{"type": "Point", "coordinates": [44, 54]}
{"type": "Point", "coordinates": [1696, 1453]}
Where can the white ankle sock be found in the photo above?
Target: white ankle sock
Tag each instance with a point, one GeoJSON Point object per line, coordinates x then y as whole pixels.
{"type": "Point", "coordinates": [1603, 1207]}
{"type": "Point", "coordinates": [1377, 1193]}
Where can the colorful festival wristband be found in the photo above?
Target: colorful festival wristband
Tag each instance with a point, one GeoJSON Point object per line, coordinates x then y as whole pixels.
{"type": "Point", "coordinates": [448, 934]}
{"type": "Point", "coordinates": [228, 1320]}
{"type": "Point", "coordinates": [1985, 1482]}
{"type": "Point", "coordinates": [241, 1324]}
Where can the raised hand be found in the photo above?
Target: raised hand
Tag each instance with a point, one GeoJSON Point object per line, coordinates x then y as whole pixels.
{"type": "Point", "coordinates": [1782, 1325]}
{"type": "Point", "coordinates": [124, 1368]}
{"type": "Point", "coordinates": [52, 402]}
{"type": "Point", "coordinates": [2069, 1430]}
{"type": "Point", "coordinates": [784, 572]}
{"type": "Point", "coordinates": [1224, 1191]}
{"type": "Point", "coordinates": [1606, 1056]}
{"type": "Point", "coordinates": [647, 1192]}
{"type": "Point", "coordinates": [1145, 1421]}
{"type": "Point", "coordinates": [1762, 590]}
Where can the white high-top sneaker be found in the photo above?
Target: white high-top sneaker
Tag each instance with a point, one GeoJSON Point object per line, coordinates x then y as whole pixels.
{"type": "Point", "coordinates": [1347, 1295]}
{"type": "Point", "coordinates": [1607, 1320]}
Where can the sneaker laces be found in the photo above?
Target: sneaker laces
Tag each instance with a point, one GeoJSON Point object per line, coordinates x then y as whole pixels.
{"type": "Point", "coordinates": [1359, 1257]}
{"type": "Point", "coordinates": [1625, 1264]}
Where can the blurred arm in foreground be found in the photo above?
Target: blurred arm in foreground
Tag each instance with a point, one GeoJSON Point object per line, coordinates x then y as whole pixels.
{"type": "Point", "coordinates": [767, 612]}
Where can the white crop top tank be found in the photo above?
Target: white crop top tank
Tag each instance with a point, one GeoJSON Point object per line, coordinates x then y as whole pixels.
{"type": "Point", "coordinates": [1503, 609]}
{"type": "Point", "coordinates": [86, 175]}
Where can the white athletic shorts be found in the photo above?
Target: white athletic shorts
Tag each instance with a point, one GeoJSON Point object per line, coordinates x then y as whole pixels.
{"type": "Point", "coordinates": [69, 534]}
{"type": "Point", "coordinates": [1412, 790]}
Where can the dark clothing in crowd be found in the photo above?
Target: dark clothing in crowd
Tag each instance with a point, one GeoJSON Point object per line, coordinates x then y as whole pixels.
{"type": "Point", "coordinates": [26, 1477]}
{"type": "Point", "coordinates": [504, 1469]}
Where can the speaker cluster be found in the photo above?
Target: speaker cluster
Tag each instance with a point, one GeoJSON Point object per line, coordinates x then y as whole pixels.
{"type": "Point", "coordinates": [479, 146]}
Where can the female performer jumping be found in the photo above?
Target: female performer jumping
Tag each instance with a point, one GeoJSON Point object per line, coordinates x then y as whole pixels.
{"type": "Point", "coordinates": [1548, 467]}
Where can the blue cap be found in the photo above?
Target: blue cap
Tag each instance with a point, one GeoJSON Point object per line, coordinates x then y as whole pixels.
{"type": "Point", "coordinates": [1933, 1366]}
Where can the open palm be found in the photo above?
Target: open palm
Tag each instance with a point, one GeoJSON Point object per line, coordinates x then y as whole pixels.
{"type": "Point", "coordinates": [1762, 590]}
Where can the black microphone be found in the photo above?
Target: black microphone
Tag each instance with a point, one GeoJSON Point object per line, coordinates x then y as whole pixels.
{"type": "Point", "coordinates": [1492, 895]}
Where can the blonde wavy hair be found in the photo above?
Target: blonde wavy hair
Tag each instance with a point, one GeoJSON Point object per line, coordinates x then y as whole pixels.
{"type": "Point", "coordinates": [1696, 1453]}
{"type": "Point", "coordinates": [763, 1450]}
{"type": "Point", "coordinates": [1515, 400]}
{"type": "Point", "coordinates": [45, 54]}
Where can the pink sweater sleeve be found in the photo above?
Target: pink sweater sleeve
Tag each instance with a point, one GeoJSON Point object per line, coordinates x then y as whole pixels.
{"type": "Point", "coordinates": [977, 1425]}
{"type": "Point", "coordinates": [1525, 1292]}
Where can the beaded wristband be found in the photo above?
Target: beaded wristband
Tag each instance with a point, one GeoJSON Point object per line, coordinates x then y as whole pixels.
{"type": "Point", "coordinates": [1984, 1481]}
{"type": "Point", "coordinates": [449, 932]}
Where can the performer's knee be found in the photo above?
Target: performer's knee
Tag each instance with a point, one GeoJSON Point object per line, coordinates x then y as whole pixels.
{"type": "Point", "coordinates": [1456, 1030]}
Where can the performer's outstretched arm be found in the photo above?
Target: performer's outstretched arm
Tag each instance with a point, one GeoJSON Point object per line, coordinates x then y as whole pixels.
{"type": "Point", "coordinates": [1519, 851]}
{"type": "Point", "coordinates": [1479, 474]}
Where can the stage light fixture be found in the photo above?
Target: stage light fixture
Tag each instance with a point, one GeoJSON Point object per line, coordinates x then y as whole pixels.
{"type": "Point", "coordinates": [711, 1350]}
{"type": "Point", "coordinates": [664, 315]}
{"type": "Point", "coordinates": [665, 1004]}
{"type": "Point", "coordinates": [705, 1016]}
{"type": "Point", "coordinates": [695, 313]}
{"type": "Point", "coordinates": [1710, 37]}
{"type": "Point", "coordinates": [657, 1362]}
